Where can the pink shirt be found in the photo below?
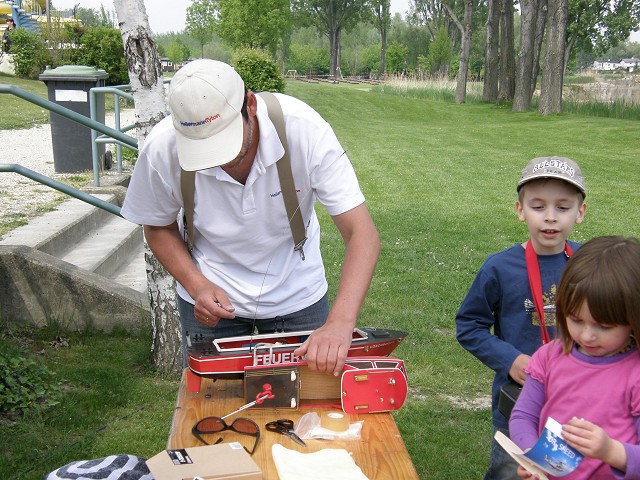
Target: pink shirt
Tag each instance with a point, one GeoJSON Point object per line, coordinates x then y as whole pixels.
{"type": "Point", "coordinates": [604, 392]}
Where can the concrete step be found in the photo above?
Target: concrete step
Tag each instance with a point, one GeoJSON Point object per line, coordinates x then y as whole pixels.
{"type": "Point", "coordinates": [78, 265]}
{"type": "Point", "coordinates": [90, 239]}
{"type": "Point", "coordinates": [106, 248]}
{"type": "Point", "coordinates": [133, 273]}
{"type": "Point", "coordinates": [54, 231]}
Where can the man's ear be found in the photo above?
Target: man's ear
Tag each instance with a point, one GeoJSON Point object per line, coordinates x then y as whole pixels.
{"type": "Point", "coordinates": [252, 104]}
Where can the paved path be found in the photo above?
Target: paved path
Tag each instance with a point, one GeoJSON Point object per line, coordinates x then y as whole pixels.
{"type": "Point", "coordinates": [22, 197]}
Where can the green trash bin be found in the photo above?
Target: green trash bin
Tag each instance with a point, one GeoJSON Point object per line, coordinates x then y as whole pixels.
{"type": "Point", "coordinates": [69, 87]}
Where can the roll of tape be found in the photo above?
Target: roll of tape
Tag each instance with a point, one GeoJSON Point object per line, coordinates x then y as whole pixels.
{"type": "Point", "coordinates": [336, 421]}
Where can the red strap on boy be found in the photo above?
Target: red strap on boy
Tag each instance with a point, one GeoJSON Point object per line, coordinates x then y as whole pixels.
{"type": "Point", "coordinates": [535, 283]}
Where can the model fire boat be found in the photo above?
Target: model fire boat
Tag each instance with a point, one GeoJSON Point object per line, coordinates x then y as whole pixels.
{"type": "Point", "coordinates": [229, 357]}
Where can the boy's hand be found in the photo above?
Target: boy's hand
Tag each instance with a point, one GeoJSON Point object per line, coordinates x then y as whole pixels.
{"type": "Point", "coordinates": [517, 369]}
{"type": "Point", "coordinates": [592, 441]}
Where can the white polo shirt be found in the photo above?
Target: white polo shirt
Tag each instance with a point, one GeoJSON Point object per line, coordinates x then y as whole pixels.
{"type": "Point", "coordinates": [243, 241]}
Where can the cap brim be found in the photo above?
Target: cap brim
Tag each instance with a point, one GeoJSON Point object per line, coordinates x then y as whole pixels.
{"type": "Point", "coordinates": [213, 151]}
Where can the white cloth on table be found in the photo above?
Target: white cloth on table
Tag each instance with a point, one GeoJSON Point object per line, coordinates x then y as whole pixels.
{"type": "Point", "coordinates": [327, 464]}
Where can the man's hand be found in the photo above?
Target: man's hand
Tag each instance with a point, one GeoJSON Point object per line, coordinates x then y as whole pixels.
{"type": "Point", "coordinates": [592, 441]}
{"type": "Point", "coordinates": [517, 369]}
{"type": "Point", "coordinates": [167, 245]}
{"type": "Point", "coordinates": [326, 349]}
{"type": "Point", "coordinates": [212, 304]}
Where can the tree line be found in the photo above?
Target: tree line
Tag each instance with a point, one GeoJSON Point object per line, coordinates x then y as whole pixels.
{"type": "Point", "coordinates": [508, 46]}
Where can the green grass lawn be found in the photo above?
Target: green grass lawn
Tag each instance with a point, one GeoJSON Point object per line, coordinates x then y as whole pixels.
{"type": "Point", "coordinates": [439, 179]}
{"type": "Point", "coordinates": [16, 113]}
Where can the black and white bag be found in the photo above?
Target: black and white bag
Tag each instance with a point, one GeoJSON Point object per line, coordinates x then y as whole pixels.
{"type": "Point", "coordinates": [113, 467]}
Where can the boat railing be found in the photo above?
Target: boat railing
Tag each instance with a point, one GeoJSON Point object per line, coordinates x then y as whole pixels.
{"type": "Point", "coordinates": [264, 347]}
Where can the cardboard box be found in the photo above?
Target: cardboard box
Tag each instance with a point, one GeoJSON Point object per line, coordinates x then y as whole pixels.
{"type": "Point", "coordinates": [211, 462]}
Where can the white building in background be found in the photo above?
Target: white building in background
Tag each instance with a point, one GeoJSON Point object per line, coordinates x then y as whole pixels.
{"type": "Point", "coordinates": [606, 65]}
{"type": "Point", "coordinates": [629, 64]}
{"type": "Point", "coordinates": [626, 64]}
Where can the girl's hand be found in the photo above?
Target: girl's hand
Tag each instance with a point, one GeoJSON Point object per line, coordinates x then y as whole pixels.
{"type": "Point", "coordinates": [523, 473]}
{"type": "Point", "coordinates": [592, 441]}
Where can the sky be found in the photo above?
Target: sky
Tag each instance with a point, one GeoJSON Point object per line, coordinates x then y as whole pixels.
{"type": "Point", "coordinates": [170, 16]}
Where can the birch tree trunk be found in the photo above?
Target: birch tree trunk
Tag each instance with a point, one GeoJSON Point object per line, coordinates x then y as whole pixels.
{"type": "Point", "coordinates": [383, 52]}
{"type": "Point", "coordinates": [333, 52]}
{"type": "Point", "coordinates": [145, 77]}
{"type": "Point", "coordinates": [338, 53]}
{"type": "Point", "coordinates": [553, 70]}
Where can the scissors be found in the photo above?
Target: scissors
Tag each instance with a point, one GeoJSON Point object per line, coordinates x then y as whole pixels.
{"type": "Point", "coordinates": [285, 427]}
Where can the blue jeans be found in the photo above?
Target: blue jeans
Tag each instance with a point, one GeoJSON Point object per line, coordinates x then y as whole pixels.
{"type": "Point", "coordinates": [308, 318]}
{"type": "Point", "coordinates": [502, 466]}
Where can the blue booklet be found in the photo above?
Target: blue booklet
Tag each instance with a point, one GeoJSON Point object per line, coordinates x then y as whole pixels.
{"type": "Point", "coordinates": [549, 456]}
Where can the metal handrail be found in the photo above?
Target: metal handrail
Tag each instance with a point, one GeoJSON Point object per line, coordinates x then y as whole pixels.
{"type": "Point", "coordinates": [76, 117]}
{"type": "Point", "coordinates": [70, 114]}
{"type": "Point", "coordinates": [62, 187]}
{"type": "Point", "coordinates": [94, 93]}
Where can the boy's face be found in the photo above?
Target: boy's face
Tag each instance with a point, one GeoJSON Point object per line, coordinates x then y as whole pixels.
{"type": "Point", "coordinates": [550, 208]}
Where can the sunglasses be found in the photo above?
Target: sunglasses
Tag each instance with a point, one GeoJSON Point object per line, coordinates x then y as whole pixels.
{"type": "Point", "coordinates": [243, 426]}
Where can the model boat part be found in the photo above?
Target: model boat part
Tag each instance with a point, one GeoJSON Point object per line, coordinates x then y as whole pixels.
{"type": "Point", "coordinates": [367, 385]}
{"type": "Point", "coordinates": [282, 382]}
{"type": "Point", "coordinates": [382, 387]}
{"type": "Point", "coordinates": [228, 357]}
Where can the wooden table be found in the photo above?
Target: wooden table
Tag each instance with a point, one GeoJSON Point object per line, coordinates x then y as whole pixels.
{"type": "Point", "coordinates": [380, 451]}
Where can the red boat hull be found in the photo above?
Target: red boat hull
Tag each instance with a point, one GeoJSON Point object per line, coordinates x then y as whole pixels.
{"type": "Point", "coordinates": [228, 358]}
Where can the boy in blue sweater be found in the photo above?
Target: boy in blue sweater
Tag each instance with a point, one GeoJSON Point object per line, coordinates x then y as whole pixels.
{"type": "Point", "coordinates": [516, 287]}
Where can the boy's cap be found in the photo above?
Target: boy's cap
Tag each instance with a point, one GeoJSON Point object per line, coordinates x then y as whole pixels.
{"type": "Point", "coordinates": [205, 98]}
{"type": "Point", "coordinates": [561, 168]}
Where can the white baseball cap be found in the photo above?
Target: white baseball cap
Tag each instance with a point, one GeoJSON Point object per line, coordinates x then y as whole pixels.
{"type": "Point", "coordinates": [205, 99]}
